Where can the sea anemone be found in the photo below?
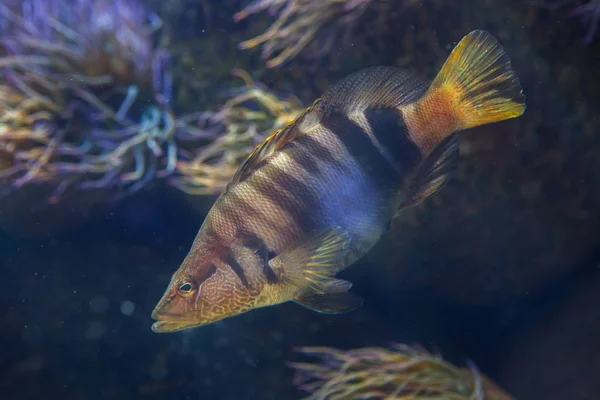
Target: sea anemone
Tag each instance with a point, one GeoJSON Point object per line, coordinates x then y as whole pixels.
{"type": "Point", "coordinates": [85, 96]}
{"type": "Point", "coordinates": [298, 22]}
{"type": "Point", "coordinates": [251, 114]}
{"type": "Point", "coordinates": [401, 372]}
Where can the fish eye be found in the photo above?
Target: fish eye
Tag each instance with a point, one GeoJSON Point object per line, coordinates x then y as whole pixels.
{"type": "Point", "coordinates": [186, 288]}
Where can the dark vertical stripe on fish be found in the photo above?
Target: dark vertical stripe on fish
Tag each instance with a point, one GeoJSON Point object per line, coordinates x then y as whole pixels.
{"type": "Point", "coordinates": [305, 159]}
{"type": "Point", "coordinates": [237, 210]}
{"type": "Point", "coordinates": [269, 273]}
{"type": "Point", "coordinates": [226, 217]}
{"type": "Point", "coordinates": [391, 132]}
{"type": "Point", "coordinates": [206, 272]}
{"type": "Point", "coordinates": [252, 241]}
{"type": "Point", "coordinates": [362, 149]}
{"type": "Point", "coordinates": [308, 144]}
{"type": "Point", "coordinates": [247, 213]}
{"type": "Point", "coordinates": [247, 209]}
{"type": "Point", "coordinates": [209, 228]}
{"type": "Point", "coordinates": [256, 244]}
{"type": "Point", "coordinates": [289, 194]}
{"type": "Point", "coordinates": [237, 269]}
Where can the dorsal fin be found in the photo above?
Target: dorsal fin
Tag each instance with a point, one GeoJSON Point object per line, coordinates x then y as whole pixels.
{"type": "Point", "coordinates": [376, 87]}
{"type": "Point", "coordinates": [271, 144]}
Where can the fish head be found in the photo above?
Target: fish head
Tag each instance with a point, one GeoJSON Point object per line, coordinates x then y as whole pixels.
{"type": "Point", "coordinates": [209, 286]}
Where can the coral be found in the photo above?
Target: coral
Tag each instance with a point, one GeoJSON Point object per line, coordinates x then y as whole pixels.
{"type": "Point", "coordinates": [244, 121]}
{"type": "Point", "coordinates": [298, 23]}
{"type": "Point", "coordinates": [401, 372]}
{"type": "Point", "coordinates": [85, 94]}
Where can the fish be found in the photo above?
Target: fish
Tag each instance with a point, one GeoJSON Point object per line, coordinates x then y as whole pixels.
{"type": "Point", "coordinates": [317, 195]}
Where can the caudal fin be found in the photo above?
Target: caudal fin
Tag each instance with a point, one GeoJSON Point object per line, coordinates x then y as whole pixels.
{"type": "Point", "coordinates": [483, 87]}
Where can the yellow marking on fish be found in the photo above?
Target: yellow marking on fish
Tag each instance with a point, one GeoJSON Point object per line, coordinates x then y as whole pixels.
{"type": "Point", "coordinates": [430, 119]}
{"type": "Point", "coordinates": [475, 86]}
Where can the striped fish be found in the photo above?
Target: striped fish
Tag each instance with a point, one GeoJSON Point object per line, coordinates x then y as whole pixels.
{"type": "Point", "coordinates": [316, 196]}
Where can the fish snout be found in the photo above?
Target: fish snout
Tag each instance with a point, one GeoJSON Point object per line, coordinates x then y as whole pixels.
{"type": "Point", "coordinates": [169, 314]}
{"type": "Point", "coordinates": [170, 322]}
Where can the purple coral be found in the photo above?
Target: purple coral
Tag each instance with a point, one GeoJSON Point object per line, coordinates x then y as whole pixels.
{"type": "Point", "coordinates": [103, 37]}
{"type": "Point", "coordinates": [85, 94]}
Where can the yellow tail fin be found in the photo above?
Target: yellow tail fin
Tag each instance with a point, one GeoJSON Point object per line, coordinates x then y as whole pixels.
{"type": "Point", "coordinates": [482, 85]}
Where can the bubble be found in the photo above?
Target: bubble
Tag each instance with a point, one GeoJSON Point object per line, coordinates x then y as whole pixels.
{"type": "Point", "coordinates": [99, 304]}
{"type": "Point", "coordinates": [95, 330]}
{"type": "Point", "coordinates": [127, 307]}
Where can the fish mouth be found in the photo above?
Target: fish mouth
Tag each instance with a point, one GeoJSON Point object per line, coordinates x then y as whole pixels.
{"type": "Point", "coordinates": [166, 323]}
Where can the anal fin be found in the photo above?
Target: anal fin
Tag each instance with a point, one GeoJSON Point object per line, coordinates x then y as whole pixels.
{"type": "Point", "coordinates": [313, 261]}
{"type": "Point", "coordinates": [433, 173]}
{"type": "Point", "coordinates": [330, 303]}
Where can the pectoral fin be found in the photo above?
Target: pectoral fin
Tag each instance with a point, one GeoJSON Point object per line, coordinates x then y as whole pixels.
{"type": "Point", "coordinates": [311, 265]}
{"type": "Point", "coordinates": [435, 171]}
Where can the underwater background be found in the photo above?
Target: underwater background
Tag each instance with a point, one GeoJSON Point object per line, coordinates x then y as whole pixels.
{"type": "Point", "coordinates": [121, 121]}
